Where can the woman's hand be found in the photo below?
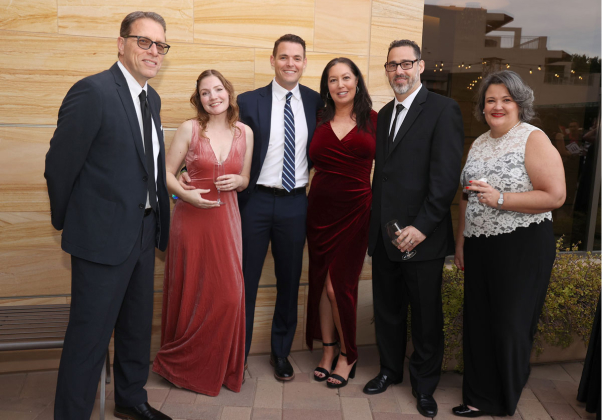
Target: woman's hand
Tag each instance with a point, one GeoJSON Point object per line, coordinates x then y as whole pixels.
{"type": "Point", "coordinates": [459, 256]}
{"type": "Point", "coordinates": [185, 181]}
{"type": "Point", "coordinates": [195, 198]}
{"type": "Point", "coordinates": [229, 182]}
{"type": "Point", "coordinates": [486, 194]}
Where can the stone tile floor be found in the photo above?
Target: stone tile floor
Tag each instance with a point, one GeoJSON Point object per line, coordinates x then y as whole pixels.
{"type": "Point", "coordinates": [549, 394]}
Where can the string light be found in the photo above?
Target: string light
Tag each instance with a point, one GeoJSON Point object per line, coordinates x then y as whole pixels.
{"type": "Point", "coordinates": [573, 71]}
{"type": "Point", "coordinates": [507, 66]}
{"type": "Point", "coordinates": [539, 68]}
{"type": "Point", "coordinates": [580, 78]}
{"type": "Point", "coordinates": [530, 71]}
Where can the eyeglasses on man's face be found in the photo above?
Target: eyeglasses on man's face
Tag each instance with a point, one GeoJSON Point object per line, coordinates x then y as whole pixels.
{"type": "Point", "coordinates": [146, 44]}
{"type": "Point", "coordinates": [391, 66]}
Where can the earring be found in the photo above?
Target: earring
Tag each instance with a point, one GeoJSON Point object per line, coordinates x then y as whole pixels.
{"type": "Point", "coordinates": [327, 95]}
{"type": "Point", "coordinates": [483, 112]}
{"type": "Point", "coordinates": [357, 89]}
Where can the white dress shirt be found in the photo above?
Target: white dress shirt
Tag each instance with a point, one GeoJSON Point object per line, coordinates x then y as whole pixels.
{"type": "Point", "coordinates": [407, 103]}
{"type": "Point", "coordinates": [135, 91]}
{"type": "Point", "coordinates": [271, 171]}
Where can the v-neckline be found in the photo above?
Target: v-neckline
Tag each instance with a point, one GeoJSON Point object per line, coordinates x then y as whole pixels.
{"type": "Point", "coordinates": [342, 138]}
{"type": "Point", "coordinates": [213, 151]}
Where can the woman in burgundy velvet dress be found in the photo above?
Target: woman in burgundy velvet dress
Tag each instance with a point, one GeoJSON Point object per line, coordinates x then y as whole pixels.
{"type": "Point", "coordinates": [342, 150]}
{"type": "Point", "coordinates": [203, 323]}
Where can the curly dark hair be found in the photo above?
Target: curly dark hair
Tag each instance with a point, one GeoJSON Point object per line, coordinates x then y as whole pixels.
{"type": "Point", "coordinates": [202, 116]}
{"type": "Point", "coordinates": [362, 104]}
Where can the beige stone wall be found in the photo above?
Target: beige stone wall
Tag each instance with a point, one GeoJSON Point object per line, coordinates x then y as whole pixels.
{"type": "Point", "coordinates": [50, 44]}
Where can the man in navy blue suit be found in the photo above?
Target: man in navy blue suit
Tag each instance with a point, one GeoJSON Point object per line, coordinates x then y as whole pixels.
{"type": "Point", "coordinates": [105, 172]}
{"type": "Point", "coordinates": [273, 208]}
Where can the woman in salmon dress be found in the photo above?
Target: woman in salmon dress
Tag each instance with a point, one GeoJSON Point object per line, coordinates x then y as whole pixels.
{"type": "Point", "coordinates": [342, 151]}
{"type": "Point", "coordinates": [203, 322]}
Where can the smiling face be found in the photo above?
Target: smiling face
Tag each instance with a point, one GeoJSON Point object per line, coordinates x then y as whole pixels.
{"type": "Point", "coordinates": [142, 64]}
{"type": "Point", "coordinates": [289, 64]}
{"type": "Point", "coordinates": [342, 84]}
{"type": "Point", "coordinates": [214, 96]}
{"type": "Point", "coordinates": [404, 82]}
{"type": "Point", "coordinates": [501, 111]}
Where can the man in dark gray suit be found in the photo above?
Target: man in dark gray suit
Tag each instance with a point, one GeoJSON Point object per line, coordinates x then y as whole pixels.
{"type": "Point", "coordinates": [105, 172]}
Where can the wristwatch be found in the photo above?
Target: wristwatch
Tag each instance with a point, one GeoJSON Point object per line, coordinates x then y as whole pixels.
{"type": "Point", "coordinates": [500, 201]}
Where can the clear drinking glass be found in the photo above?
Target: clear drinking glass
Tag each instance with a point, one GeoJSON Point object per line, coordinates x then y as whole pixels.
{"type": "Point", "coordinates": [218, 170]}
{"type": "Point", "coordinates": [392, 228]}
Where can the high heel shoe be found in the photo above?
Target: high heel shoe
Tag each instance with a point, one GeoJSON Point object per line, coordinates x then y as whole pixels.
{"type": "Point", "coordinates": [342, 381]}
{"type": "Point", "coordinates": [324, 371]}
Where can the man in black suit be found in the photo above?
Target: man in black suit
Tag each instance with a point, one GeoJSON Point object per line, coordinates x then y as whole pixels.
{"type": "Point", "coordinates": [273, 208]}
{"type": "Point", "coordinates": [105, 172]}
{"type": "Point", "coordinates": [419, 144]}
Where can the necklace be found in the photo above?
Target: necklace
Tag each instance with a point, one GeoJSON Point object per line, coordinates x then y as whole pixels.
{"type": "Point", "coordinates": [505, 136]}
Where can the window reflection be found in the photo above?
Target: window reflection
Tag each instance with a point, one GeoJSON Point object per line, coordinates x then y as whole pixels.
{"type": "Point", "coordinates": [562, 65]}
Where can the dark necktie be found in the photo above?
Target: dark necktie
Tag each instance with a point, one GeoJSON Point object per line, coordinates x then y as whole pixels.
{"type": "Point", "coordinates": [398, 110]}
{"type": "Point", "coordinates": [288, 167]}
{"type": "Point", "coordinates": [148, 150]}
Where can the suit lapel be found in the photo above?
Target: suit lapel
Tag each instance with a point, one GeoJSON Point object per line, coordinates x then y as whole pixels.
{"type": "Point", "coordinates": [310, 116]}
{"type": "Point", "coordinates": [126, 99]}
{"type": "Point", "coordinates": [264, 111]}
{"type": "Point", "coordinates": [158, 126]}
{"type": "Point", "coordinates": [383, 133]}
{"type": "Point", "coordinates": [413, 112]}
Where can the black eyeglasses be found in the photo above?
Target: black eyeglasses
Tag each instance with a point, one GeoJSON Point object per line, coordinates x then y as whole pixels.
{"type": "Point", "coordinates": [405, 65]}
{"type": "Point", "coordinates": [146, 44]}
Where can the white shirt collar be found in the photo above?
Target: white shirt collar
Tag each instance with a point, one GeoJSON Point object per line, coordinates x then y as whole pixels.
{"type": "Point", "coordinates": [135, 88]}
{"type": "Point", "coordinates": [407, 102]}
{"type": "Point", "coordinates": [281, 92]}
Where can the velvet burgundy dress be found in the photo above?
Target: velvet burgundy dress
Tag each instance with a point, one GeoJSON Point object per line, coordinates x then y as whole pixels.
{"type": "Point", "coordinates": [203, 323]}
{"type": "Point", "coordinates": [338, 216]}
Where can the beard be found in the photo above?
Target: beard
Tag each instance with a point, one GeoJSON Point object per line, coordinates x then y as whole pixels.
{"type": "Point", "coordinates": [401, 89]}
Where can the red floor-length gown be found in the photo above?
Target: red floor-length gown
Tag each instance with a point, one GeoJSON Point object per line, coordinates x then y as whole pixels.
{"type": "Point", "coordinates": [338, 217]}
{"type": "Point", "coordinates": [203, 324]}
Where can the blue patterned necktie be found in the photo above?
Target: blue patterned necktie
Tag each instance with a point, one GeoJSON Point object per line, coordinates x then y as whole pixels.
{"type": "Point", "coordinates": [288, 167]}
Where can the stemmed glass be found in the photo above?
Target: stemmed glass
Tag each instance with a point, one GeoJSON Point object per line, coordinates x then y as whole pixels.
{"type": "Point", "coordinates": [466, 182]}
{"type": "Point", "coordinates": [392, 228]}
{"type": "Point", "coordinates": [218, 170]}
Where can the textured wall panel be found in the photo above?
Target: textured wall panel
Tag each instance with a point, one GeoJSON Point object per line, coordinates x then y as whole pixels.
{"type": "Point", "coordinates": [30, 16]}
{"type": "Point", "coordinates": [102, 18]}
{"type": "Point", "coordinates": [251, 24]}
{"type": "Point", "coordinates": [342, 26]}
{"type": "Point", "coordinates": [395, 19]}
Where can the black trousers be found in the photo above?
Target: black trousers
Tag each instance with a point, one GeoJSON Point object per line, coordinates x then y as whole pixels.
{"type": "Point", "coordinates": [282, 221]}
{"type": "Point", "coordinates": [103, 298]}
{"type": "Point", "coordinates": [396, 285]}
{"type": "Point", "coordinates": [505, 283]}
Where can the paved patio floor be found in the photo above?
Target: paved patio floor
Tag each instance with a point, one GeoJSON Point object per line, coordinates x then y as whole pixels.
{"type": "Point", "coordinates": [550, 394]}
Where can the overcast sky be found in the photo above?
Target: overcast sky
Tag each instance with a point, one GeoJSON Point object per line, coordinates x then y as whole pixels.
{"type": "Point", "coordinates": [572, 26]}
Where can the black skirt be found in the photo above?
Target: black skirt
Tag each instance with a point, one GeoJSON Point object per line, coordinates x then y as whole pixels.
{"type": "Point", "coordinates": [505, 283]}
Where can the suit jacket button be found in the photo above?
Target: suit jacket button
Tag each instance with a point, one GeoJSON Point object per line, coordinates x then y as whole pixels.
{"type": "Point", "coordinates": [145, 178]}
{"type": "Point", "coordinates": [384, 178]}
{"type": "Point", "coordinates": [140, 206]}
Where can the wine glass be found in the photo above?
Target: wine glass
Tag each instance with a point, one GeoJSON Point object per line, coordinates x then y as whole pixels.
{"type": "Point", "coordinates": [392, 228]}
{"type": "Point", "coordinates": [218, 170]}
{"type": "Point", "coordinates": [466, 182]}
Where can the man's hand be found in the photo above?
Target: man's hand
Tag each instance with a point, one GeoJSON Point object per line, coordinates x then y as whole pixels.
{"type": "Point", "coordinates": [184, 180]}
{"type": "Point", "coordinates": [408, 238]}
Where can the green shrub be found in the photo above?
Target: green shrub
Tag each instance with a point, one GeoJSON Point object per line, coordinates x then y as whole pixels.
{"type": "Point", "coordinates": [568, 310]}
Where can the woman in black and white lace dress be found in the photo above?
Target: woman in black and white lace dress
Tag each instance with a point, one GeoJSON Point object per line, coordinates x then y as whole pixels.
{"type": "Point", "coordinates": [514, 177]}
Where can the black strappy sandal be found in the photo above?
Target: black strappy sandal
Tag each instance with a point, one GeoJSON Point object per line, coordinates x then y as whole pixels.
{"type": "Point", "coordinates": [324, 371]}
{"type": "Point", "coordinates": [339, 378]}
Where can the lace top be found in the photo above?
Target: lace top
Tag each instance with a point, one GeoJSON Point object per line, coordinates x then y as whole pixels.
{"type": "Point", "coordinates": [502, 162]}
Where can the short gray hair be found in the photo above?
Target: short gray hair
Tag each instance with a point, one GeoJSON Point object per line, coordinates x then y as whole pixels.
{"type": "Point", "coordinates": [404, 43]}
{"type": "Point", "coordinates": [126, 23]}
{"type": "Point", "coordinates": [521, 93]}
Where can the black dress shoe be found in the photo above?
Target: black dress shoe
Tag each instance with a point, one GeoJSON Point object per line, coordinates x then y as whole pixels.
{"type": "Point", "coordinates": [426, 404]}
{"type": "Point", "coordinates": [141, 412]}
{"type": "Point", "coordinates": [283, 370]}
{"type": "Point", "coordinates": [463, 411]}
{"type": "Point", "coordinates": [379, 384]}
